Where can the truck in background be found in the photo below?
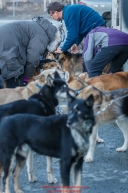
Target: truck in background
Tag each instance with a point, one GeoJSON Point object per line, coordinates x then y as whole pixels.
{"type": "Point", "coordinates": [103, 7]}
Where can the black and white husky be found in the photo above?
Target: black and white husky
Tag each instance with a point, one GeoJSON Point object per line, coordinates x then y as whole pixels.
{"type": "Point", "coordinates": [50, 136]}
{"type": "Point", "coordinates": [42, 103]}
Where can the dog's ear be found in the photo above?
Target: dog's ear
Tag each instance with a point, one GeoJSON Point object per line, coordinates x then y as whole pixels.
{"type": "Point", "coordinates": [50, 81]}
{"type": "Point", "coordinates": [90, 101]}
{"type": "Point", "coordinates": [56, 75]}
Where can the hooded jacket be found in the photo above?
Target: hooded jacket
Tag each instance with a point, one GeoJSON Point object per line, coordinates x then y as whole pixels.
{"type": "Point", "coordinates": [22, 43]}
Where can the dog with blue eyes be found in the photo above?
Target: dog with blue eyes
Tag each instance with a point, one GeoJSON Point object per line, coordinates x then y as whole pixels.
{"type": "Point", "coordinates": [50, 136]}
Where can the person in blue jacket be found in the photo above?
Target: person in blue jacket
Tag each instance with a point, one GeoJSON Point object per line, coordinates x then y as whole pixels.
{"type": "Point", "coordinates": [102, 46]}
{"type": "Point", "coordinates": [79, 21]}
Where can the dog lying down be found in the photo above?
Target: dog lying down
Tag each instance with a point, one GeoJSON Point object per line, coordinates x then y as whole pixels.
{"type": "Point", "coordinates": [42, 103]}
{"type": "Point", "coordinates": [108, 107]}
{"type": "Point", "coordinates": [47, 136]}
{"type": "Point", "coordinates": [12, 94]}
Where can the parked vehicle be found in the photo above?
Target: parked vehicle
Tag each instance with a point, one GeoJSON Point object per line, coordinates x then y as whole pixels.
{"type": "Point", "coordinates": [103, 7]}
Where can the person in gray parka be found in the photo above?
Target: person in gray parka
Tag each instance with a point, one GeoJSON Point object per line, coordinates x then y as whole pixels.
{"type": "Point", "coordinates": [22, 43]}
{"type": "Point", "coordinates": [102, 46]}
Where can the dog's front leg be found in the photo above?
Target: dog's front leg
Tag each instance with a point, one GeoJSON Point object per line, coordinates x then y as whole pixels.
{"type": "Point", "coordinates": [76, 173]}
{"type": "Point", "coordinates": [123, 124]}
{"type": "Point", "coordinates": [98, 139]}
{"type": "Point", "coordinates": [51, 178]}
{"type": "Point", "coordinates": [31, 176]}
{"type": "Point", "coordinates": [65, 166]}
{"type": "Point", "coordinates": [7, 189]}
{"type": "Point", "coordinates": [92, 144]}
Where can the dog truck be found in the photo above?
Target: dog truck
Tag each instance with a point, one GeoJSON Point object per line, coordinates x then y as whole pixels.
{"type": "Point", "coordinates": [120, 19]}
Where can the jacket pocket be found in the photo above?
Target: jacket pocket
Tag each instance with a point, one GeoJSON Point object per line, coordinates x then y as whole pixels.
{"type": "Point", "coordinates": [12, 58]}
{"type": "Point", "coordinates": [11, 62]}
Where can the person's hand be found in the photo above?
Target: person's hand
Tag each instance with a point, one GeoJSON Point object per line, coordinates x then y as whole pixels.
{"type": "Point", "coordinates": [58, 51]}
{"type": "Point", "coordinates": [74, 49]}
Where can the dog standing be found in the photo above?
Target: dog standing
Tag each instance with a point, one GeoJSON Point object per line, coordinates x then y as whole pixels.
{"type": "Point", "coordinates": [109, 82]}
{"type": "Point", "coordinates": [48, 136]}
{"type": "Point", "coordinates": [42, 103]}
{"type": "Point", "coordinates": [108, 107]}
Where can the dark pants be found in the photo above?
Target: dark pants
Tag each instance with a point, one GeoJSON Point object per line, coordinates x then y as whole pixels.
{"type": "Point", "coordinates": [115, 55]}
{"type": "Point", "coordinates": [14, 82]}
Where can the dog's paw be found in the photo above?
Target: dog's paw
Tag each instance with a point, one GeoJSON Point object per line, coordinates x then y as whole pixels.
{"type": "Point", "coordinates": [121, 149]}
{"type": "Point", "coordinates": [88, 159]}
{"type": "Point", "coordinates": [33, 179]}
{"type": "Point", "coordinates": [19, 191]}
{"type": "Point", "coordinates": [52, 180]}
{"type": "Point", "coordinates": [99, 140]}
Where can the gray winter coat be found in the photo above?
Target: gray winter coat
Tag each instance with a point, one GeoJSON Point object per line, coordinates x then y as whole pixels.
{"type": "Point", "coordinates": [21, 45]}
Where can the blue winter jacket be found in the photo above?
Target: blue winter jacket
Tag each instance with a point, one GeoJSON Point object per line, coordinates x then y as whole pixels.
{"type": "Point", "coordinates": [102, 37]}
{"type": "Point", "coordinates": [79, 21]}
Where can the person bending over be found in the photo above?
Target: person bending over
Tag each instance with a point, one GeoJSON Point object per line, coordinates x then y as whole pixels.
{"type": "Point", "coordinates": [79, 21]}
{"type": "Point", "coordinates": [22, 43]}
{"type": "Point", "coordinates": [102, 46]}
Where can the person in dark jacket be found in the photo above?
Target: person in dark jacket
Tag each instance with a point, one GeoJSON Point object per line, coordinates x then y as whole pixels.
{"type": "Point", "coordinates": [79, 20]}
{"type": "Point", "coordinates": [22, 43]}
{"type": "Point", "coordinates": [102, 46]}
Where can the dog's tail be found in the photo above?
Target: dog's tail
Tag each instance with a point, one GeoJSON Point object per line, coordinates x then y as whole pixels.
{"type": "Point", "coordinates": [121, 107]}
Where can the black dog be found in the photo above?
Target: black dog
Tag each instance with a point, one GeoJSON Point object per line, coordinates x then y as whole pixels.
{"type": "Point", "coordinates": [42, 103]}
{"type": "Point", "coordinates": [50, 136]}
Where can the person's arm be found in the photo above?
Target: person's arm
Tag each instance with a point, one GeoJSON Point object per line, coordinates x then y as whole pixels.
{"type": "Point", "coordinates": [34, 50]}
{"type": "Point", "coordinates": [88, 50]}
{"type": "Point", "coordinates": [79, 39]}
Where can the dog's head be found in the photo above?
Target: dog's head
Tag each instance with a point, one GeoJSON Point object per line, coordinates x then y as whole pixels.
{"type": "Point", "coordinates": [50, 93]}
{"type": "Point", "coordinates": [58, 85]}
{"type": "Point", "coordinates": [42, 78]}
{"type": "Point", "coordinates": [47, 63]}
{"type": "Point", "coordinates": [68, 61]}
{"type": "Point", "coordinates": [81, 117]}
